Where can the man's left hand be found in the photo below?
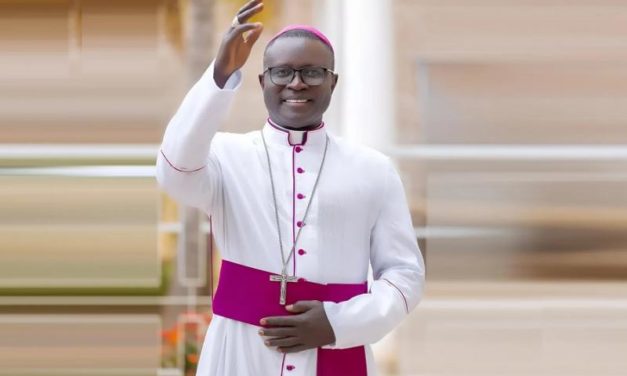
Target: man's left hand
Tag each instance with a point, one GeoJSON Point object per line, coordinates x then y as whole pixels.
{"type": "Point", "coordinates": [308, 329]}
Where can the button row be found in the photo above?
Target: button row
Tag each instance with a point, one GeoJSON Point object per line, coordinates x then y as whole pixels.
{"type": "Point", "coordinates": [301, 251]}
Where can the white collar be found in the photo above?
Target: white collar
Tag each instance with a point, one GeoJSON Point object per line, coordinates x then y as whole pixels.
{"type": "Point", "coordinates": [277, 134]}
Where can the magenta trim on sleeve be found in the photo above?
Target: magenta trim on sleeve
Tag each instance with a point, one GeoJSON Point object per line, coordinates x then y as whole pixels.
{"type": "Point", "coordinates": [176, 168]}
{"type": "Point", "coordinates": [399, 290]}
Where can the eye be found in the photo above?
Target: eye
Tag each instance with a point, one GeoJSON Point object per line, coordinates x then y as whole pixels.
{"type": "Point", "coordinates": [313, 72]}
{"type": "Point", "coordinates": [282, 72]}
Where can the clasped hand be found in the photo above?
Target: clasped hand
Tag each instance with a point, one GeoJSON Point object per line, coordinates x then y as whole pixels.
{"type": "Point", "coordinates": [308, 328]}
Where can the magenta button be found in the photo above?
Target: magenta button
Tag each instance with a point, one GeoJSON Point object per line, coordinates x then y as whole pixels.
{"type": "Point", "coordinates": [298, 149]}
{"type": "Point", "coordinates": [301, 252]}
{"type": "Point", "coordinates": [290, 367]}
{"type": "Point", "coordinates": [300, 224]}
{"type": "Point", "coordinates": [300, 170]}
{"type": "Point", "coordinates": [300, 196]}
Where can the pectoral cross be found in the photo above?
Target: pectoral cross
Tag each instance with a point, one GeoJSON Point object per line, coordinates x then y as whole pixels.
{"type": "Point", "coordinates": [284, 279]}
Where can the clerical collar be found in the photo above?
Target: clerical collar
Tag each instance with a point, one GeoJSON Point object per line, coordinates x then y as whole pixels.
{"type": "Point", "coordinates": [290, 137]}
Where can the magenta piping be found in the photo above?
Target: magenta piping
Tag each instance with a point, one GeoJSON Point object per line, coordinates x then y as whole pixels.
{"type": "Point", "coordinates": [399, 290]}
{"type": "Point", "coordinates": [287, 133]}
{"type": "Point", "coordinates": [176, 168]}
{"type": "Point", "coordinates": [293, 208]}
{"type": "Point", "coordinates": [210, 240]}
{"type": "Point", "coordinates": [283, 364]}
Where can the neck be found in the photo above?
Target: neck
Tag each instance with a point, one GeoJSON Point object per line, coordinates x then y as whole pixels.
{"type": "Point", "coordinates": [305, 128]}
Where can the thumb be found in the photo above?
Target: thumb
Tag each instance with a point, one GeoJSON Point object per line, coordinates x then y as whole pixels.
{"type": "Point", "coordinates": [301, 306]}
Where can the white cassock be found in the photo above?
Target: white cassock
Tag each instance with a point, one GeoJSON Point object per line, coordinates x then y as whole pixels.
{"type": "Point", "coordinates": [358, 217]}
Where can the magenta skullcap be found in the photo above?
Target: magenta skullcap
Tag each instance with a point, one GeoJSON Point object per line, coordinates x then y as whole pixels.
{"type": "Point", "coordinates": [307, 28]}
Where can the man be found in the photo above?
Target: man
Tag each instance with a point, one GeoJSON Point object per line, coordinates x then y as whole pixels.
{"type": "Point", "coordinates": [298, 214]}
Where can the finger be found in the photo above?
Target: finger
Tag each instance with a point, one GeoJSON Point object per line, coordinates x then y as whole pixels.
{"type": "Point", "coordinates": [245, 16]}
{"type": "Point", "coordinates": [294, 349]}
{"type": "Point", "coordinates": [241, 29]}
{"type": "Point", "coordinates": [283, 342]}
{"type": "Point", "coordinates": [279, 321]}
{"type": "Point", "coordinates": [251, 37]}
{"type": "Point", "coordinates": [247, 6]}
{"type": "Point", "coordinates": [277, 332]}
{"type": "Point", "coordinates": [301, 306]}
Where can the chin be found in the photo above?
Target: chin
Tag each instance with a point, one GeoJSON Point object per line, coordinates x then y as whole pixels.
{"type": "Point", "coordinates": [295, 122]}
{"type": "Point", "coordinates": [298, 124]}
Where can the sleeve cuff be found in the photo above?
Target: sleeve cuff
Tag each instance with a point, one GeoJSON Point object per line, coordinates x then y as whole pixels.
{"type": "Point", "coordinates": [232, 84]}
{"type": "Point", "coordinates": [330, 309]}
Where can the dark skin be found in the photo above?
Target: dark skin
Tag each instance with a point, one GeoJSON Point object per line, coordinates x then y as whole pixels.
{"type": "Point", "coordinates": [306, 326]}
{"type": "Point", "coordinates": [295, 52]}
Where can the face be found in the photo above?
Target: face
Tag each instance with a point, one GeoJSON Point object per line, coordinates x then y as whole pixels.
{"type": "Point", "coordinates": [297, 52]}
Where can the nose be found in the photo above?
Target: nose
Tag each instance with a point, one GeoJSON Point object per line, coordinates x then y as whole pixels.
{"type": "Point", "coordinates": [297, 82]}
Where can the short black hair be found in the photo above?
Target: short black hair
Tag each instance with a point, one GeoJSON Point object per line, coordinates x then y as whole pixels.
{"type": "Point", "coordinates": [299, 33]}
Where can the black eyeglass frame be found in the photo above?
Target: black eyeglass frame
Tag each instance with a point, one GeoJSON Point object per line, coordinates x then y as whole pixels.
{"type": "Point", "coordinates": [294, 70]}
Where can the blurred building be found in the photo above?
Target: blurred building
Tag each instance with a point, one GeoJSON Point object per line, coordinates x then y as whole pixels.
{"type": "Point", "coordinates": [506, 120]}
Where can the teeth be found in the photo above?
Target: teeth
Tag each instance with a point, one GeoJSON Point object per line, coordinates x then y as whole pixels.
{"type": "Point", "coordinates": [296, 100]}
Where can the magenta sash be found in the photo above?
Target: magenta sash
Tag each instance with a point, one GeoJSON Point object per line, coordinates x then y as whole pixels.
{"type": "Point", "coordinates": [246, 294]}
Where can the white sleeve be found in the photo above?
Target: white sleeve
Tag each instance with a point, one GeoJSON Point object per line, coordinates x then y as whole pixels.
{"type": "Point", "coordinates": [186, 167]}
{"type": "Point", "coordinates": [398, 270]}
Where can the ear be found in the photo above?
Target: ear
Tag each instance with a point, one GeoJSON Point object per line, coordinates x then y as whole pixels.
{"type": "Point", "coordinates": [336, 77]}
{"type": "Point", "coordinates": [262, 80]}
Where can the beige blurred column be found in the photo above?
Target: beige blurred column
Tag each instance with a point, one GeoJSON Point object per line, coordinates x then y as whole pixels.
{"type": "Point", "coordinates": [367, 52]}
{"type": "Point", "coordinates": [362, 109]}
{"type": "Point", "coordinates": [366, 63]}
{"type": "Point", "coordinates": [191, 258]}
{"type": "Point", "coordinates": [329, 19]}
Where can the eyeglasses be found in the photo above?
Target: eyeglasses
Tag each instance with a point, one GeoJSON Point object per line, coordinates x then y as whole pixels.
{"type": "Point", "coordinates": [312, 76]}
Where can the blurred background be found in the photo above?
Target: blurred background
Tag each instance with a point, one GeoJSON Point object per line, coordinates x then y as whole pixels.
{"type": "Point", "coordinates": [506, 119]}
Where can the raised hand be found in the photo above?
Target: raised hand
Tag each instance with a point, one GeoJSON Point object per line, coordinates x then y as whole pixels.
{"type": "Point", "coordinates": [237, 43]}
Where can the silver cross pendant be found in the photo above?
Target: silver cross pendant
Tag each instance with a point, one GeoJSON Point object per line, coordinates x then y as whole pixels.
{"type": "Point", "coordinates": [284, 279]}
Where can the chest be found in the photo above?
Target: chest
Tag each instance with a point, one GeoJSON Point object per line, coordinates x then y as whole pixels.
{"type": "Point", "coordinates": [344, 190]}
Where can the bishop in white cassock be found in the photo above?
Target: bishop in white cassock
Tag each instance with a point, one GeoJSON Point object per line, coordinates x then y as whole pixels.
{"type": "Point", "coordinates": [291, 201]}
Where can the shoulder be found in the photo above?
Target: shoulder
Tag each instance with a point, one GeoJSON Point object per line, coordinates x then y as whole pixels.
{"type": "Point", "coordinates": [365, 156]}
{"type": "Point", "coordinates": [229, 137]}
{"type": "Point", "coordinates": [375, 170]}
{"type": "Point", "coordinates": [228, 141]}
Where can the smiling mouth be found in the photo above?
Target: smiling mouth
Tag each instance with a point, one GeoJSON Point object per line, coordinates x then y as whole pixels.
{"type": "Point", "coordinates": [296, 100]}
